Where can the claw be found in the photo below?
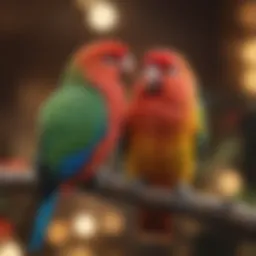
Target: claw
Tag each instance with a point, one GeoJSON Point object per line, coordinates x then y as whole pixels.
{"type": "Point", "coordinates": [101, 176]}
{"type": "Point", "coordinates": [95, 182]}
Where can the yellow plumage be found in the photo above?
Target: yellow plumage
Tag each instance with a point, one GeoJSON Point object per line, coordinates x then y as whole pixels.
{"type": "Point", "coordinates": [161, 160]}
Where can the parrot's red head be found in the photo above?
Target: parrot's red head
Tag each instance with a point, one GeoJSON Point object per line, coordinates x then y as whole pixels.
{"type": "Point", "coordinates": [104, 65]}
{"type": "Point", "coordinates": [107, 60]}
{"type": "Point", "coordinates": [166, 87]}
{"type": "Point", "coordinates": [167, 74]}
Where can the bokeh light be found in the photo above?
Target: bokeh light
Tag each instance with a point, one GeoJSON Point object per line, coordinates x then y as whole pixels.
{"type": "Point", "coordinates": [113, 223]}
{"type": "Point", "coordinates": [249, 81]}
{"type": "Point", "coordinates": [102, 17]}
{"type": "Point", "coordinates": [58, 232]}
{"type": "Point", "coordinates": [249, 51]}
{"type": "Point", "coordinates": [10, 248]}
{"type": "Point", "coordinates": [84, 225]}
{"type": "Point", "coordinates": [229, 183]}
{"type": "Point", "coordinates": [247, 15]}
{"type": "Point", "coordinates": [80, 251]}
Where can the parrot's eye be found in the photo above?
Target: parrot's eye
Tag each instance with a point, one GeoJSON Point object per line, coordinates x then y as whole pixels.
{"type": "Point", "coordinates": [110, 59]}
{"type": "Point", "coordinates": [128, 63]}
{"type": "Point", "coordinates": [152, 73]}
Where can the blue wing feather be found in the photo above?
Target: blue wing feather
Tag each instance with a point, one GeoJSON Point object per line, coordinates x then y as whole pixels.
{"type": "Point", "coordinates": [69, 167]}
{"type": "Point", "coordinates": [72, 164]}
{"type": "Point", "coordinates": [43, 218]}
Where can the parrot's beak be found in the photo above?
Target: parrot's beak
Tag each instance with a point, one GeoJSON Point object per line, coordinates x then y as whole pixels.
{"type": "Point", "coordinates": [128, 65]}
{"type": "Point", "coordinates": [154, 88]}
{"type": "Point", "coordinates": [153, 80]}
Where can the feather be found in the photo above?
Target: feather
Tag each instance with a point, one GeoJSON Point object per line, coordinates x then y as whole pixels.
{"type": "Point", "coordinates": [43, 217]}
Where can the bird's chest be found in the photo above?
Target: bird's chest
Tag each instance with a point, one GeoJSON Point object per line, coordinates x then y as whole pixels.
{"type": "Point", "coordinates": [156, 153]}
{"type": "Point", "coordinates": [153, 127]}
{"type": "Point", "coordinates": [154, 149]}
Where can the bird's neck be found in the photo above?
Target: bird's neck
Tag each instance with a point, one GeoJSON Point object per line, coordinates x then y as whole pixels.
{"type": "Point", "coordinates": [104, 83]}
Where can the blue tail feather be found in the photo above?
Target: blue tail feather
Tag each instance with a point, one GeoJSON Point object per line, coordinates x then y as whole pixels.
{"type": "Point", "coordinates": [42, 220]}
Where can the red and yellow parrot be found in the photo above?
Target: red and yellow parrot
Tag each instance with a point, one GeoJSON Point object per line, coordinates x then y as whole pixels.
{"type": "Point", "coordinates": [164, 126]}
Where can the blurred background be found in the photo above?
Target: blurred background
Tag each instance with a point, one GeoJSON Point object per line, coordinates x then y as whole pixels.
{"type": "Point", "coordinates": [219, 39]}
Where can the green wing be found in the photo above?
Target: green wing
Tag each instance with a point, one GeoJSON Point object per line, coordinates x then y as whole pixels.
{"type": "Point", "coordinates": [75, 117]}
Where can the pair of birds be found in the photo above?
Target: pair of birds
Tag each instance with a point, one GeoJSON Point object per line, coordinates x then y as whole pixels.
{"type": "Point", "coordinates": [83, 120]}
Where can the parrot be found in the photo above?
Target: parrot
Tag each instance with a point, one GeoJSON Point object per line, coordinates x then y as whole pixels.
{"type": "Point", "coordinates": [165, 130]}
{"type": "Point", "coordinates": [79, 124]}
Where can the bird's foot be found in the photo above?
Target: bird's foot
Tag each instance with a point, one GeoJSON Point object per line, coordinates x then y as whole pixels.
{"type": "Point", "coordinates": [96, 181]}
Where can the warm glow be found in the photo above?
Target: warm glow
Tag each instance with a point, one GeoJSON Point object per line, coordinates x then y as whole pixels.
{"type": "Point", "coordinates": [84, 225]}
{"type": "Point", "coordinates": [113, 223]}
{"type": "Point", "coordinates": [6, 228]}
{"type": "Point", "coordinates": [81, 4]}
{"type": "Point", "coordinates": [249, 51]}
{"type": "Point", "coordinates": [188, 225]}
{"type": "Point", "coordinates": [247, 15]}
{"type": "Point", "coordinates": [80, 251]}
{"type": "Point", "coordinates": [10, 249]}
{"type": "Point", "coordinates": [102, 16]}
{"type": "Point", "coordinates": [58, 232]}
{"type": "Point", "coordinates": [249, 81]}
{"type": "Point", "coordinates": [229, 183]}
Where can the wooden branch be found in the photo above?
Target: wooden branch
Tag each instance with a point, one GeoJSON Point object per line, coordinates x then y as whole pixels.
{"type": "Point", "coordinates": [238, 218]}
